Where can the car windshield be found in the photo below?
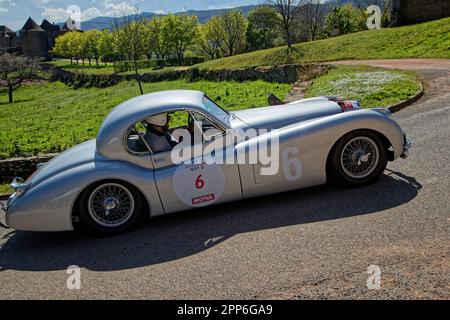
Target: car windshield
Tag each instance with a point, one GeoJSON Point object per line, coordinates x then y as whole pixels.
{"type": "Point", "coordinates": [216, 111]}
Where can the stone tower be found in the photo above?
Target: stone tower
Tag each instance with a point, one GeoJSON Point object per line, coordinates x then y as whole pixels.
{"type": "Point", "coordinates": [34, 41]}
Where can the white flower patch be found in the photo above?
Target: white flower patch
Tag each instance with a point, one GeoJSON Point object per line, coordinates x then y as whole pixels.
{"type": "Point", "coordinates": [364, 82]}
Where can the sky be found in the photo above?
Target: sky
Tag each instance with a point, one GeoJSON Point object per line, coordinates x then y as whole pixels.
{"type": "Point", "coordinates": [14, 13]}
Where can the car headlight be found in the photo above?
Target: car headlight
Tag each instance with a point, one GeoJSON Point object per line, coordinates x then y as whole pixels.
{"type": "Point", "coordinates": [19, 186]}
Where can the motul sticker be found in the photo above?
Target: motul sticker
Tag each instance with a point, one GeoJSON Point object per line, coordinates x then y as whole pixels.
{"type": "Point", "coordinates": [203, 199]}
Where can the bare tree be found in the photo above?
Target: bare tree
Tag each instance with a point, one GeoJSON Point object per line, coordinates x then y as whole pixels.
{"type": "Point", "coordinates": [14, 71]}
{"type": "Point", "coordinates": [288, 13]}
{"type": "Point", "coordinates": [128, 31]}
{"type": "Point", "coordinates": [313, 17]}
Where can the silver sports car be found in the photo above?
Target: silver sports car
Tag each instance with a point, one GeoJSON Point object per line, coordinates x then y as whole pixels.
{"type": "Point", "coordinates": [129, 172]}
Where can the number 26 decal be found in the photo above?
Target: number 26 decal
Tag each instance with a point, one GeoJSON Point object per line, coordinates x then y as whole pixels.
{"type": "Point", "coordinates": [292, 166]}
{"type": "Point", "coordinates": [199, 183]}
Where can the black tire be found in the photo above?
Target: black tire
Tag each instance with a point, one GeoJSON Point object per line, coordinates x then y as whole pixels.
{"type": "Point", "coordinates": [90, 215]}
{"type": "Point", "coordinates": [343, 167]}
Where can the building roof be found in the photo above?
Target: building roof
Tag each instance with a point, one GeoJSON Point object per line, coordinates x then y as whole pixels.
{"type": "Point", "coordinates": [5, 29]}
{"type": "Point", "coordinates": [47, 26]}
{"type": "Point", "coordinates": [31, 25]}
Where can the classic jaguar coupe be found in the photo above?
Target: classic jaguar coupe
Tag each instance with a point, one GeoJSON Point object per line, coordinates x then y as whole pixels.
{"type": "Point", "coordinates": [126, 173]}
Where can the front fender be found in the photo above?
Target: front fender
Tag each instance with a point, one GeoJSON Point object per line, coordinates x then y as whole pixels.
{"type": "Point", "coordinates": [48, 205]}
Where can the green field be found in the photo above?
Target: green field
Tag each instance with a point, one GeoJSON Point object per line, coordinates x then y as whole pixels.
{"type": "Point", "coordinates": [5, 188]}
{"type": "Point", "coordinates": [103, 69]}
{"type": "Point", "coordinates": [427, 40]}
{"type": "Point", "coordinates": [374, 87]}
{"type": "Point", "coordinates": [93, 69]}
{"type": "Point", "coordinates": [52, 117]}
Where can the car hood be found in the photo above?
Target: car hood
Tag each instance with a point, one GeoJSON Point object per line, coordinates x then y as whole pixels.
{"type": "Point", "coordinates": [78, 155]}
{"type": "Point", "coordinates": [276, 117]}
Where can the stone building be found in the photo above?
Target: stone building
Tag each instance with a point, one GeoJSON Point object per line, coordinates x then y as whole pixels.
{"type": "Point", "coordinates": [35, 40]}
{"type": "Point", "coordinates": [405, 12]}
{"type": "Point", "coordinates": [9, 41]}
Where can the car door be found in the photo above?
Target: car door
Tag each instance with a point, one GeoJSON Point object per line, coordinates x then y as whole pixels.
{"type": "Point", "coordinates": [195, 183]}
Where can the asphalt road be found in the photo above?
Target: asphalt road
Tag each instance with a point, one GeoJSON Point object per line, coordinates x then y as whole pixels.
{"type": "Point", "coordinates": [315, 243]}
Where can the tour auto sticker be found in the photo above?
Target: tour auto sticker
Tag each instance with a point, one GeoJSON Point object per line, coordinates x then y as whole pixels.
{"type": "Point", "coordinates": [199, 185]}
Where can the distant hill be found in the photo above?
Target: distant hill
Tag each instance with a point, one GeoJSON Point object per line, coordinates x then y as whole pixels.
{"type": "Point", "coordinates": [101, 23]}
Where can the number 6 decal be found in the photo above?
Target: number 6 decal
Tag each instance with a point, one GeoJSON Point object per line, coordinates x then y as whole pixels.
{"type": "Point", "coordinates": [292, 166]}
{"type": "Point", "coordinates": [199, 183]}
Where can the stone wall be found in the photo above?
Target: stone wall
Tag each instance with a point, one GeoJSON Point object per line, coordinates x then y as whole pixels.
{"type": "Point", "coordinates": [21, 167]}
{"type": "Point", "coordinates": [282, 74]}
{"type": "Point", "coordinates": [418, 11]}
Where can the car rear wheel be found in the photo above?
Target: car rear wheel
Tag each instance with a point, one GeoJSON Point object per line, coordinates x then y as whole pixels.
{"type": "Point", "coordinates": [110, 207]}
{"type": "Point", "coordinates": [359, 158]}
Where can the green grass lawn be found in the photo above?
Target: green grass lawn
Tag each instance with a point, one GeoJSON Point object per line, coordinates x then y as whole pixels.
{"type": "Point", "coordinates": [51, 117]}
{"type": "Point", "coordinates": [427, 40]}
{"type": "Point", "coordinates": [103, 69]}
{"type": "Point", "coordinates": [374, 87]}
{"type": "Point", "coordinates": [93, 69]}
{"type": "Point", "coordinates": [5, 188]}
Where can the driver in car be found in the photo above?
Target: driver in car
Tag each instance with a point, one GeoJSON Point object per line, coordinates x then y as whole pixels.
{"type": "Point", "coordinates": [158, 136]}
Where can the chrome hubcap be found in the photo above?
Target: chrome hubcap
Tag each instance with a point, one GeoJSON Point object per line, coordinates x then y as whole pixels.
{"type": "Point", "coordinates": [360, 157]}
{"type": "Point", "coordinates": [111, 205]}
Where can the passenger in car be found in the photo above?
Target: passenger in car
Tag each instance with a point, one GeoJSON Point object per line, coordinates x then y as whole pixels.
{"type": "Point", "coordinates": [158, 136]}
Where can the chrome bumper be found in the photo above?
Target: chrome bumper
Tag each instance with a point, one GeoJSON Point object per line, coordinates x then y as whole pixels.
{"type": "Point", "coordinates": [3, 210]}
{"type": "Point", "coordinates": [407, 147]}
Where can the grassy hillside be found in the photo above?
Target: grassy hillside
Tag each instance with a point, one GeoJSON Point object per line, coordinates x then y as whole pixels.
{"type": "Point", "coordinates": [427, 40]}
{"type": "Point", "coordinates": [52, 117]}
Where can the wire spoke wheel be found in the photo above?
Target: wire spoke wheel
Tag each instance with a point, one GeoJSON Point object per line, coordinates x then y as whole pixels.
{"type": "Point", "coordinates": [360, 157]}
{"type": "Point", "coordinates": [111, 205]}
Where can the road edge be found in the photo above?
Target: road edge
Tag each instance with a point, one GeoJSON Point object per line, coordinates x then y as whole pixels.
{"type": "Point", "coordinates": [406, 103]}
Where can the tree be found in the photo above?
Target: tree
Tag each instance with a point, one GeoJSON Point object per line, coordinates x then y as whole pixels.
{"type": "Point", "coordinates": [233, 29]}
{"type": "Point", "coordinates": [106, 46]}
{"type": "Point", "coordinates": [288, 13]}
{"type": "Point", "coordinates": [210, 37]}
{"type": "Point", "coordinates": [61, 47]}
{"type": "Point", "coordinates": [74, 45]}
{"type": "Point", "coordinates": [14, 71]}
{"type": "Point", "coordinates": [129, 41]}
{"type": "Point", "coordinates": [261, 30]}
{"type": "Point", "coordinates": [347, 18]}
{"type": "Point", "coordinates": [154, 41]}
{"type": "Point", "coordinates": [92, 41]}
{"type": "Point", "coordinates": [82, 46]}
{"type": "Point", "coordinates": [313, 18]}
{"type": "Point", "coordinates": [179, 33]}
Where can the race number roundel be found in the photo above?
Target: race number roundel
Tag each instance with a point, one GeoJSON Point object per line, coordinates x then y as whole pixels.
{"type": "Point", "coordinates": [199, 185]}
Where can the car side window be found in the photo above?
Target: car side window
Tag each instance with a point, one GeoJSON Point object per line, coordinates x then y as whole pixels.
{"type": "Point", "coordinates": [209, 129]}
{"type": "Point", "coordinates": [178, 120]}
{"type": "Point", "coordinates": [134, 141]}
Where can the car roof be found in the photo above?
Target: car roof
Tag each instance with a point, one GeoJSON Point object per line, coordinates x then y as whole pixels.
{"type": "Point", "coordinates": [154, 103]}
{"type": "Point", "coordinates": [131, 111]}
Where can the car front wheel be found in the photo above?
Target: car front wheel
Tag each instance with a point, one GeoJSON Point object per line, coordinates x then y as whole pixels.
{"type": "Point", "coordinates": [359, 158]}
{"type": "Point", "coordinates": [110, 207]}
